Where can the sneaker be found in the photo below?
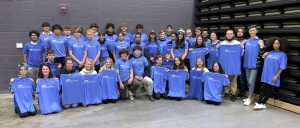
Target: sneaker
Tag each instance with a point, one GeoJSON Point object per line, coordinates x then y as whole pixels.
{"type": "Point", "coordinates": [258, 106]}
{"type": "Point", "coordinates": [232, 98]}
{"type": "Point", "coordinates": [226, 95]}
{"type": "Point", "coordinates": [130, 96]}
{"type": "Point", "coordinates": [247, 102]}
{"type": "Point", "coordinates": [150, 97]}
{"type": "Point", "coordinates": [264, 106]}
{"type": "Point", "coordinates": [245, 99]}
{"type": "Point", "coordinates": [242, 95]}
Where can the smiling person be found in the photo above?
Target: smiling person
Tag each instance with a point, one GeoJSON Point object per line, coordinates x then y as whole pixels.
{"type": "Point", "coordinates": [88, 67]}
{"type": "Point", "coordinates": [275, 62]}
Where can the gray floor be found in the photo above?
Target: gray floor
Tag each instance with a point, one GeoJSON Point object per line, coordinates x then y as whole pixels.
{"type": "Point", "coordinates": [162, 113]}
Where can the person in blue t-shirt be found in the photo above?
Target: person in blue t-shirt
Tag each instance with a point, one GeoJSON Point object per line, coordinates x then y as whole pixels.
{"type": "Point", "coordinates": [211, 45]}
{"type": "Point", "coordinates": [197, 31]}
{"type": "Point", "coordinates": [68, 35]}
{"type": "Point", "coordinates": [162, 43]}
{"type": "Point", "coordinates": [137, 42]}
{"type": "Point", "coordinates": [141, 71]}
{"type": "Point", "coordinates": [58, 44]}
{"type": "Point", "coordinates": [254, 49]}
{"type": "Point", "coordinates": [110, 37]}
{"type": "Point", "coordinates": [214, 83]}
{"type": "Point", "coordinates": [197, 51]}
{"type": "Point", "coordinates": [169, 30]}
{"type": "Point", "coordinates": [127, 36]}
{"type": "Point", "coordinates": [48, 90]}
{"type": "Point", "coordinates": [168, 61]}
{"type": "Point", "coordinates": [125, 72]}
{"type": "Point", "coordinates": [92, 47]}
{"type": "Point", "coordinates": [151, 48]}
{"type": "Point", "coordinates": [94, 27]}
{"type": "Point", "coordinates": [275, 62]}
{"type": "Point", "coordinates": [33, 54]}
{"type": "Point", "coordinates": [22, 87]}
{"type": "Point", "coordinates": [55, 67]}
{"type": "Point", "coordinates": [157, 75]}
{"type": "Point", "coordinates": [104, 48]}
{"type": "Point", "coordinates": [139, 30]}
{"type": "Point", "coordinates": [76, 49]}
{"type": "Point", "coordinates": [120, 44]}
{"type": "Point", "coordinates": [189, 37]}
{"type": "Point", "coordinates": [205, 36]}
{"type": "Point", "coordinates": [45, 35]}
{"type": "Point", "coordinates": [180, 48]}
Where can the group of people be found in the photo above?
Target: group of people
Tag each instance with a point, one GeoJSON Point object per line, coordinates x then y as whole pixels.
{"type": "Point", "coordinates": [103, 67]}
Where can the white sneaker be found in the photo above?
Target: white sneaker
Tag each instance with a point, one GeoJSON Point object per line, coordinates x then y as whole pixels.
{"type": "Point", "coordinates": [247, 102]}
{"type": "Point", "coordinates": [130, 96]}
{"type": "Point", "coordinates": [264, 106]}
{"type": "Point", "coordinates": [258, 106]}
{"type": "Point", "coordinates": [245, 99]}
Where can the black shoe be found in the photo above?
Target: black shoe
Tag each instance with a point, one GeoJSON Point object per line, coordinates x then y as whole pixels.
{"type": "Point", "coordinates": [178, 99]}
{"type": "Point", "coordinates": [232, 98]}
{"type": "Point", "coordinates": [113, 100]}
{"type": "Point", "coordinates": [241, 95]}
{"type": "Point", "coordinates": [17, 111]}
{"type": "Point", "coordinates": [105, 101]}
{"type": "Point", "coordinates": [226, 95]}
{"type": "Point", "coordinates": [156, 96]}
{"type": "Point", "coordinates": [151, 98]}
{"type": "Point", "coordinates": [165, 95]}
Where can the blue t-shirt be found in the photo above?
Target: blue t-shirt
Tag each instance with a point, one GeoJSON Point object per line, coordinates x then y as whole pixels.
{"type": "Point", "coordinates": [92, 48]}
{"type": "Point", "coordinates": [44, 39]}
{"type": "Point", "coordinates": [104, 50]}
{"type": "Point", "coordinates": [111, 41]}
{"type": "Point", "coordinates": [213, 55]}
{"type": "Point", "coordinates": [77, 48]}
{"type": "Point", "coordinates": [169, 46]}
{"type": "Point", "coordinates": [230, 59]}
{"type": "Point", "coordinates": [54, 68]}
{"type": "Point", "coordinates": [157, 75]}
{"type": "Point", "coordinates": [168, 37]}
{"type": "Point", "coordinates": [213, 86]}
{"type": "Point", "coordinates": [134, 44]}
{"type": "Point", "coordinates": [119, 46]}
{"type": "Point", "coordinates": [251, 53]}
{"type": "Point", "coordinates": [59, 45]}
{"type": "Point", "coordinates": [273, 63]}
{"type": "Point", "coordinates": [92, 89]}
{"type": "Point", "coordinates": [22, 88]}
{"type": "Point", "coordinates": [109, 84]}
{"type": "Point", "coordinates": [162, 46]}
{"type": "Point", "coordinates": [138, 65]}
{"type": "Point", "coordinates": [127, 38]}
{"type": "Point", "coordinates": [195, 90]}
{"type": "Point", "coordinates": [48, 90]}
{"type": "Point", "coordinates": [144, 37]}
{"type": "Point", "coordinates": [180, 51]}
{"type": "Point", "coordinates": [124, 68]}
{"type": "Point", "coordinates": [168, 63]}
{"type": "Point", "coordinates": [72, 88]}
{"type": "Point", "coordinates": [176, 79]}
{"type": "Point", "coordinates": [195, 54]}
{"type": "Point", "coordinates": [34, 54]}
{"type": "Point", "coordinates": [191, 41]}
{"type": "Point", "coordinates": [96, 36]}
{"type": "Point", "coordinates": [152, 48]}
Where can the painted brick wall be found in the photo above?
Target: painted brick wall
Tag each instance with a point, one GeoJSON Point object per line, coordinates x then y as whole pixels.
{"type": "Point", "coordinates": [18, 17]}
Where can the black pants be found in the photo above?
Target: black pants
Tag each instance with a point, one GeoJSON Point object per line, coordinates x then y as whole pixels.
{"type": "Point", "coordinates": [60, 60]}
{"type": "Point", "coordinates": [123, 92]}
{"type": "Point", "coordinates": [265, 92]}
{"type": "Point", "coordinates": [213, 102]}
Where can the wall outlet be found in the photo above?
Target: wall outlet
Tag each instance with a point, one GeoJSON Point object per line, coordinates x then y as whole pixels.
{"type": "Point", "coordinates": [19, 45]}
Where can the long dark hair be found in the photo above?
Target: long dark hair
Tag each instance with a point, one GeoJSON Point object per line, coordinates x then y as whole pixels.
{"type": "Point", "coordinates": [181, 65]}
{"type": "Point", "coordinates": [221, 71]}
{"type": "Point", "coordinates": [196, 45]}
{"type": "Point", "coordinates": [149, 38]}
{"type": "Point", "coordinates": [41, 75]}
{"type": "Point", "coordinates": [179, 43]}
{"type": "Point", "coordinates": [283, 44]}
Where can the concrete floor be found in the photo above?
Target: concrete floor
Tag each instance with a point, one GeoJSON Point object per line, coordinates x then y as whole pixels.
{"type": "Point", "coordinates": [162, 113]}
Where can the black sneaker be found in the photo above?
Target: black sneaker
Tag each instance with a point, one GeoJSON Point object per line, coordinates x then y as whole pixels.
{"type": "Point", "coordinates": [241, 95]}
{"type": "Point", "coordinates": [151, 98]}
{"type": "Point", "coordinates": [156, 96]}
{"type": "Point", "coordinates": [232, 98]}
{"type": "Point", "coordinates": [165, 95]}
{"type": "Point", "coordinates": [226, 95]}
{"type": "Point", "coordinates": [178, 99]}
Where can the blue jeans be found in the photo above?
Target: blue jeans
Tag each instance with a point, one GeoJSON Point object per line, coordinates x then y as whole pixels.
{"type": "Point", "coordinates": [251, 78]}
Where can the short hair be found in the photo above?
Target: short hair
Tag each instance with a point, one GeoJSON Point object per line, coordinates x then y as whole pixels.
{"type": "Point", "coordinates": [139, 26]}
{"type": "Point", "coordinates": [161, 31]}
{"type": "Point", "coordinates": [45, 24]}
{"type": "Point", "coordinates": [67, 28]}
{"type": "Point", "coordinates": [22, 65]}
{"type": "Point", "coordinates": [137, 47]}
{"type": "Point", "coordinates": [108, 25]}
{"type": "Point", "coordinates": [137, 34]}
{"type": "Point", "coordinates": [158, 56]}
{"type": "Point", "coordinates": [34, 32]}
{"type": "Point", "coordinates": [123, 51]}
{"type": "Point", "coordinates": [78, 29]}
{"type": "Point", "coordinates": [122, 25]}
{"type": "Point", "coordinates": [101, 34]}
{"type": "Point", "coordinates": [252, 26]}
{"type": "Point", "coordinates": [90, 30]}
{"type": "Point", "coordinates": [50, 51]}
{"type": "Point", "coordinates": [68, 59]}
{"type": "Point", "coordinates": [94, 25]}
{"type": "Point", "coordinates": [120, 33]}
{"type": "Point", "coordinates": [170, 26]}
{"type": "Point", "coordinates": [56, 26]}
{"type": "Point", "coordinates": [197, 28]}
